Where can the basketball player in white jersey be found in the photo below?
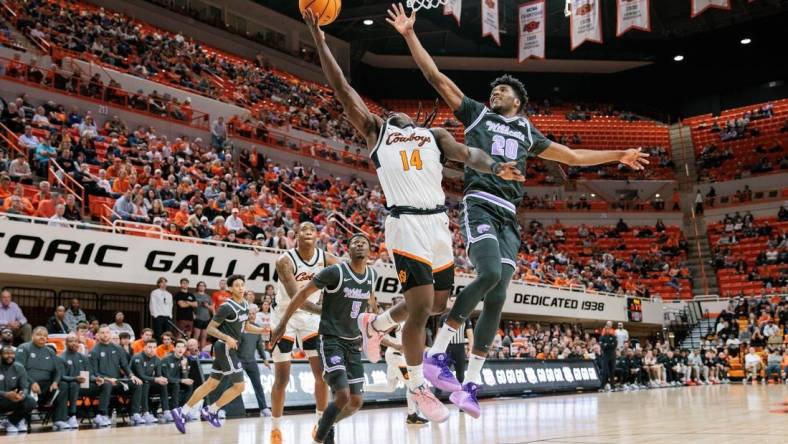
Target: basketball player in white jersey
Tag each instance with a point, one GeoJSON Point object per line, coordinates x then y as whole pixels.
{"type": "Point", "coordinates": [409, 161]}
{"type": "Point", "coordinates": [296, 268]}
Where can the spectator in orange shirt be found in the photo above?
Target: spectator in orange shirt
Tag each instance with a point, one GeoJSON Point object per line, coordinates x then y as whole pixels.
{"type": "Point", "coordinates": [121, 183]}
{"type": "Point", "coordinates": [113, 170]}
{"type": "Point", "coordinates": [219, 230]}
{"type": "Point", "coordinates": [166, 346]}
{"type": "Point", "coordinates": [44, 192]}
{"type": "Point", "coordinates": [220, 296]}
{"type": "Point", "coordinates": [5, 187]}
{"type": "Point", "coordinates": [764, 319]}
{"type": "Point", "coordinates": [27, 206]}
{"type": "Point", "coordinates": [259, 208]}
{"type": "Point", "coordinates": [182, 216]}
{"type": "Point", "coordinates": [139, 344]}
{"type": "Point", "coordinates": [46, 207]}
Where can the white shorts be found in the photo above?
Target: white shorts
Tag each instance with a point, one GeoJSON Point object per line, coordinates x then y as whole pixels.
{"type": "Point", "coordinates": [425, 239]}
{"type": "Point", "coordinates": [300, 331]}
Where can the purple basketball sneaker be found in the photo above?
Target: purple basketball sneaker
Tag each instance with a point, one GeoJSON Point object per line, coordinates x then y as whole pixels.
{"type": "Point", "coordinates": [436, 370]}
{"type": "Point", "coordinates": [466, 400]}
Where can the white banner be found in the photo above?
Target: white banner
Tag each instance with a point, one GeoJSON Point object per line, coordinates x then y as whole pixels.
{"type": "Point", "coordinates": [453, 7]}
{"type": "Point", "coordinates": [490, 20]}
{"type": "Point", "coordinates": [632, 14]}
{"type": "Point", "coordinates": [532, 22]}
{"type": "Point", "coordinates": [585, 22]}
{"type": "Point", "coordinates": [95, 256]}
{"type": "Point", "coordinates": [698, 6]}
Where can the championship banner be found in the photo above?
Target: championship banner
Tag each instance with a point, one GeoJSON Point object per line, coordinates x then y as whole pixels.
{"type": "Point", "coordinates": [88, 255]}
{"type": "Point", "coordinates": [632, 14]}
{"type": "Point", "coordinates": [585, 22]}
{"type": "Point", "coordinates": [499, 377]}
{"type": "Point", "coordinates": [532, 24]}
{"type": "Point", "coordinates": [698, 6]}
{"type": "Point", "coordinates": [453, 7]}
{"type": "Point", "coordinates": [490, 20]}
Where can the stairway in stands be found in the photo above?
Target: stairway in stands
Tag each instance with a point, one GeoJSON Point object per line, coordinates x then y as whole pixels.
{"type": "Point", "coordinates": [683, 156]}
{"type": "Point", "coordinates": [699, 258]}
{"type": "Point", "coordinates": [697, 334]}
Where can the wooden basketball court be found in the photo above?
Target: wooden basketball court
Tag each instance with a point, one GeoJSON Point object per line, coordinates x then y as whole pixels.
{"type": "Point", "coordinates": [714, 414]}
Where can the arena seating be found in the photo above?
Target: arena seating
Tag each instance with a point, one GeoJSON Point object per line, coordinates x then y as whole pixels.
{"type": "Point", "coordinates": [750, 255]}
{"type": "Point", "coordinates": [755, 146]}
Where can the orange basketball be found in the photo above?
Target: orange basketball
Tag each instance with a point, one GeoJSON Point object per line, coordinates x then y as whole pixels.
{"type": "Point", "coordinates": [326, 10]}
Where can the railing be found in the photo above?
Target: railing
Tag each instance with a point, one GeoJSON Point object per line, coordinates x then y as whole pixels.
{"type": "Point", "coordinates": [701, 261]}
{"type": "Point", "coordinates": [344, 223]}
{"type": "Point", "coordinates": [65, 82]}
{"type": "Point", "coordinates": [298, 198]}
{"type": "Point", "coordinates": [67, 182]}
{"type": "Point", "coordinates": [12, 140]}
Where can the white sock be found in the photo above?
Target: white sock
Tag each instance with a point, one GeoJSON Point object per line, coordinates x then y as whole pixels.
{"type": "Point", "coordinates": [185, 410]}
{"type": "Point", "coordinates": [318, 414]}
{"type": "Point", "coordinates": [415, 376]}
{"type": "Point", "coordinates": [213, 408]}
{"type": "Point", "coordinates": [442, 340]}
{"type": "Point", "coordinates": [384, 322]}
{"type": "Point", "coordinates": [275, 422]}
{"type": "Point", "coordinates": [474, 373]}
{"type": "Point", "coordinates": [411, 404]}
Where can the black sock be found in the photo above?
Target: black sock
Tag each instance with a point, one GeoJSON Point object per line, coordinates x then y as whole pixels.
{"type": "Point", "coordinates": [327, 421]}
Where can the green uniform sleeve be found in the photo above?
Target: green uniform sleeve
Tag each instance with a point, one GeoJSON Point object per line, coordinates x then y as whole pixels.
{"type": "Point", "coordinates": [223, 313]}
{"type": "Point", "coordinates": [540, 142]}
{"type": "Point", "coordinates": [22, 354]}
{"type": "Point", "coordinates": [327, 277]}
{"type": "Point", "coordinates": [469, 111]}
{"type": "Point", "coordinates": [24, 382]}
{"type": "Point", "coordinates": [138, 368]}
{"type": "Point", "coordinates": [59, 369]}
{"type": "Point", "coordinates": [61, 362]}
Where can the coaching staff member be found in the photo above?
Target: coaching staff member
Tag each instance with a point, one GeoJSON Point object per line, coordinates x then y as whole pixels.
{"type": "Point", "coordinates": [160, 308]}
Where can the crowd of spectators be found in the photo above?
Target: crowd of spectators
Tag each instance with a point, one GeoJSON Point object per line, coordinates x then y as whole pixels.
{"type": "Point", "coordinates": [772, 244]}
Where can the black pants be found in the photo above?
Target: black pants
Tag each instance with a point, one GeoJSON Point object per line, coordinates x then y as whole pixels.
{"type": "Point", "coordinates": [608, 364]}
{"type": "Point", "coordinates": [179, 394]}
{"type": "Point", "coordinates": [73, 392]}
{"type": "Point", "coordinates": [140, 400]}
{"type": "Point", "coordinates": [457, 353]}
{"type": "Point", "coordinates": [253, 372]}
{"type": "Point", "coordinates": [17, 410]}
{"type": "Point", "coordinates": [59, 404]}
{"type": "Point", "coordinates": [160, 325]}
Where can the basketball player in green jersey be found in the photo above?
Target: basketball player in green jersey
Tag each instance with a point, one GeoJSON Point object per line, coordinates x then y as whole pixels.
{"type": "Point", "coordinates": [347, 292]}
{"type": "Point", "coordinates": [489, 213]}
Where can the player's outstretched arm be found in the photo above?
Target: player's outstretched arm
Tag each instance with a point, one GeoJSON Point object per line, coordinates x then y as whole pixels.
{"type": "Point", "coordinates": [447, 89]}
{"type": "Point", "coordinates": [286, 273]}
{"type": "Point", "coordinates": [295, 303]}
{"type": "Point", "coordinates": [475, 158]}
{"type": "Point", "coordinates": [633, 158]}
{"type": "Point", "coordinates": [357, 112]}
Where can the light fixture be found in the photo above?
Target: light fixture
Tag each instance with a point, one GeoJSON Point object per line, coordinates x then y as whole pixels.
{"type": "Point", "coordinates": [746, 41]}
{"type": "Point", "coordinates": [657, 196]}
{"type": "Point", "coordinates": [368, 22]}
{"type": "Point", "coordinates": [678, 58]}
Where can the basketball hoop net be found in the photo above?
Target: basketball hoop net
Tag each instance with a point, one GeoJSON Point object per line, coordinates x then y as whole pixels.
{"type": "Point", "coordinates": [415, 5]}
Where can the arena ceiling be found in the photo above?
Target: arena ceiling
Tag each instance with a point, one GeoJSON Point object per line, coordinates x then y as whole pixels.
{"type": "Point", "coordinates": [673, 31]}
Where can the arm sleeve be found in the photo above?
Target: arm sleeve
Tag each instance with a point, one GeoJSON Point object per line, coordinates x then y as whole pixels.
{"type": "Point", "coordinates": [22, 319]}
{"type": "Point", "coordinates": [540, 142]}
{"type": "Point", "coordinates": [469, 111]}
{"type": "Point", "coordinates": [327, 277]}
{"type": "Point", "coordinates": [62, 364]}
{"type": "Point", "coordinates": [21, 358]}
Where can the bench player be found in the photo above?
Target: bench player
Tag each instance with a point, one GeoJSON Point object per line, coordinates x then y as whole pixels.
{"type": "Point", "coordinates": [228, 324]}
{"type": "Point", "coordinates": [347, 292]}
{"type": "Point", "coordinates": [296, 268]}
{"type": "Point", "coordinates": [489, 214]}
{"type": "Point", "coordinates": [409, 161]}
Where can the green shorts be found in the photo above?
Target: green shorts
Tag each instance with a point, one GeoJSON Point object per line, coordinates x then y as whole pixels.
{"type": "Point", "coordinates": [340, 360]}
{"type": "Point", "coordinates": [485, 216]}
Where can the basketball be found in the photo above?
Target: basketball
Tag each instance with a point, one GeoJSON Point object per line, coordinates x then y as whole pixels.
{"type": "Point", "coordinates": [326, 10]}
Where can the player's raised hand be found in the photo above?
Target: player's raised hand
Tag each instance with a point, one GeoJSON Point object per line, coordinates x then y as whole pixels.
{"type": "Point", "coordinates": [400, 20]}
{"type": "Point", "coordinates": [313, 23]}
{"type": "Point", "coordinates": [509, 171]}
{"type": "Point", "coordinates": [635, 158]}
